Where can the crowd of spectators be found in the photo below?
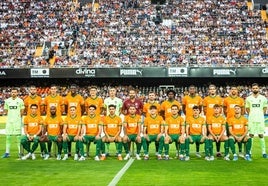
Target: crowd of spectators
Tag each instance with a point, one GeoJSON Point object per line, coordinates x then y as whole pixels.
{"type": "Point", "coordinates": [142, 92]}
{"type": "Point", "coordinates": [125, 33]}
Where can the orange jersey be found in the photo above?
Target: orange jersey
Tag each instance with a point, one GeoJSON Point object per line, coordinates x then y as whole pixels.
{"type": "Point", "coordinates": [146, 108]}
{"type": "Point", "coordinates": [33, 123]}
{"type": "Point", "coordinates": [73, 124]}
{"type": "Point", "coordinates": [190, 102]}
{"type": "Point", "coordinates": [230, 102]}
{"type": "Point", "coordinates": [98, 102]}
{"type": "Point", "coordinates": [29, 100]}
{"type": "Point", "coordinates": [174, 124]}
{"type": "Point", "coordinates": [209, 102]}
{"type": "Point", "coordinates": [238, 125]}
{"type": "Point", "coordinates": [53, 125]}
{"type": "Point", "coordinates": [153, 124]}
{"type": "Point", "coordinates": [132, 124]}
{"type": "Point", "coordinates": [92, 125]}
{"type": "Point", "coordinates": [112, 124]}
{"type": "Point", "coordinates": [76, 101]}
{"type": "Point", "coordinates": [166, 107]}
{"type": "Point", "coordinates": [56, 101]}
{"type": "Point", "coordinates": [216, 124]}
{"type": "Point", "coordinates": [195, 125]}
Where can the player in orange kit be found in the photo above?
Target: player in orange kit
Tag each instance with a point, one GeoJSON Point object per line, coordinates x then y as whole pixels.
{"type": "Point", "coordinates": [32, 128]}
{"type": "Point", "coordinates": [93, 99]}
{"type": "Point", "coordinates": [32, 98]}
{"type": "Point", "coordinates": [53, 127]}
{"type": "Point", "coordinates": [92, 128]}
{"type": "Point", "coordinates": [229, 110]}
{"type": "Point", "coordinates": [132, 130]}
{"type": "Point", "coordinates": [217, 128]}
{"type": "Point", "coordinates": [208, 109]}
{"type": "Point", "coordinates": [238, 128]}
{"type": "Point", "coordinates": [196, 131]}
{"type": "Point", "coordinates": [175, 132]}
{"type": "Point", "coordinates": [71, 133]}
{"type": "Point", "coordinates": [112, 125]}
{"type": "Point", "coordinates": [191, 100]}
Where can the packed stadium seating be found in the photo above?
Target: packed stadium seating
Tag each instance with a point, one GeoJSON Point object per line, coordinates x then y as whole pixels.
{"type": "Point", "coordinates": [115, 33]}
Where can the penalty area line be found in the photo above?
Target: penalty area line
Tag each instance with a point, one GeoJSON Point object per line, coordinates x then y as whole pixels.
{"type": "Point", "coordinates": [121, 172]}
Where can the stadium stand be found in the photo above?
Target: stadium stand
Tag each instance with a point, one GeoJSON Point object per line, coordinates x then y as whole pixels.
{"type": "Point", "coordinates": [114, 33]}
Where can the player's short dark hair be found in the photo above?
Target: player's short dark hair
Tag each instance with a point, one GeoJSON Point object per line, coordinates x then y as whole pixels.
{"type": "Point", "coordinates": [112, 105]}
{"type": "Point", "coordinates": [195, 107]}
{"type": "Point", "coordinates": [152, 107]}
{"type": "Point", "coordinates": [34, 105]}
{"type": "Point", "coordinates": [175, 106]}
{"type": "Point", "coordinates": [92, 106]}
{"type": "Point", "coordinates": [93, 87]}
{"type": "Point", "coordinates": [255, 84]}
{"type": "Point", "coordinates": [53, 85]}
{"type": "Point", "coordinates": [171, 90]}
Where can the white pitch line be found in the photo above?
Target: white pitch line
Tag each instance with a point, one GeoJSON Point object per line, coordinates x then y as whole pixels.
{"type": "Point", "coordinates": [121, 172]}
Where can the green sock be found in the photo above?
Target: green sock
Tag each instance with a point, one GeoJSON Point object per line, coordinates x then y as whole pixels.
{"type": "Point", "coordinates": [232, 145]}
{"type": "Point", "coordinates": [187, 147]}
{"type": "Point", "coordinates": [226, 147]}
{"type": "Point", "coordinates": [211, 147]}
{"type": "Point", "coordinates": [166, 148]}
{"type": "Point", "coordinates": [248, 145]}
{"type": "Point", "coordinates": [119, 147]}
{"type": "Point", "coordinates": [138, 148]}
{"type": "Point", "coordinates": [206, 147]}
{"type": "Point", "coordinates": [263, 146]}
{"type": "Point", "coordinates": [98, 147]}
{"type": "Point", "coordinates": [126, 147]}
{"type": "Point", "coordinates": [182, 148]}
{"type": "Point", "coordinates": [239, 146]}
{"type": "Point", "coordinates": [161, 145]}
{"type": "Point", "coordinates": [144, 145]}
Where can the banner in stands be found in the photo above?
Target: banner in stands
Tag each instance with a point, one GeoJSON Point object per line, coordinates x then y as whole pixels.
{"type": "Point", "coordinates": [14, 73]}
{"type": "Point", "coordinates": [153, 72]}
{"type": "Point", "coordinates": [177, 72]}
{"type": "Point", "coordinates": [228, 72]}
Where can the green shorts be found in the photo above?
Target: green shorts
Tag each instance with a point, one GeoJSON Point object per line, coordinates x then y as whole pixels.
{"type": "Point", "coordinates": [152, 137]}
{"type": "Point", "coordinates": [88, 139]}
{"type": "Point", "coordinates": [174, 137]}
{"type": "Point", "coordinates": [24, 137]}
{"type": "Point", "coordinates": [52, 138]}
{"type": "Point", "coordinates": [132, 137]}
{"type": "Point", "coordinates": [71, 138]}
{"type": "Point", "coordinates": [196, 138]}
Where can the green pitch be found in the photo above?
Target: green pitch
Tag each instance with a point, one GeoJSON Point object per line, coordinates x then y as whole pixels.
{"type": "Point", "coordinates": [197, 171]}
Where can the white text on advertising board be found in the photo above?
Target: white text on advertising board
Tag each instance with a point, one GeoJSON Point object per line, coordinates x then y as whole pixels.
{"type": "Point", "coordinates": [130, 72]}
{"type": "Point", "coordinates": [3, 73]}
{"type": "Point", "coordinates": [85, 71]}
{"type": "Point", "coordinates": [39, 72]}
{"type": "Point", "coordinates": [224, 72]}
{"type": "Point", "coordinates": [177, 72]}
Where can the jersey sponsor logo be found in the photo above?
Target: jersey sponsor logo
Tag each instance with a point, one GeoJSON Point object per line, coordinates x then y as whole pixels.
{"type": "Point", "coordinates": [130, 72]}
{"type": "Point", "coordinates": [53, 126]}
{"type": "Point", "coordinates": [91, 125]}
{"type": "Point", "coordinates": [132, 125]}
{"type": "Point", "coordinates": [238, 126]}
{"type": "Point", "coordinates": [216, 125]}
{"type": "Point", "coordinates": [196, 125]}
{"type": "Point", "coordinates": [178, 72]}
{"type": "Point", "coordinates": [224, 72]}
{"type": "Point", "coordinates": [85, 71]}
{"type": "Point", "coordinates": [154, 126]}
{"type": "Point", "coordinates": [174, 126]}
{"type": "Point", "coordinates": [40, 72]}
{"type": "Point", "coordinates": [34, 124]}
{"type": "Point", "coordinates": [256, 105]}
{"type": "Point", "coordinates": [112, 125]}
{"type": "Point", "coordinates": [72, 126]}
{"type": "Point", "coordinates": [13, 107]}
